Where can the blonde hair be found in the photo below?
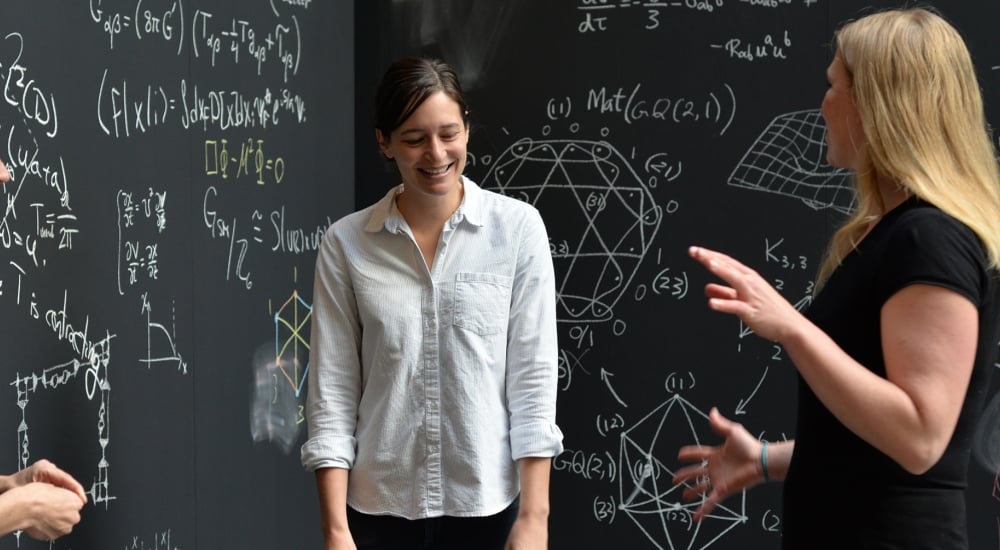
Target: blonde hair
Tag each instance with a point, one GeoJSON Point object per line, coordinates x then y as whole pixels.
{"type": "Point", "coordinates": [922, 112]}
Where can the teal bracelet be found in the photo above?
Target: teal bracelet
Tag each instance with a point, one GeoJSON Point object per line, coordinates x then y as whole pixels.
{"type": "Point", "coordinates": [763, 462]}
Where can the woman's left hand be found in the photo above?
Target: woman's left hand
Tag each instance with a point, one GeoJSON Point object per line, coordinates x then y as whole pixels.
{"type": "Point", "coordinates": [748, 295]}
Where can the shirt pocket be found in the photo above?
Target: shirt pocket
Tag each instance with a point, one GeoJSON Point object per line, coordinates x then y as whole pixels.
{"type": "Point", "coordinates": [482, 302]}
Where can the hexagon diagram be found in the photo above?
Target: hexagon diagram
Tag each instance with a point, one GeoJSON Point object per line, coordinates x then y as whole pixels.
{"type": "Point", "coordinates": [645, 489]}
{"type": "Point", "coordinates": [607, 217]}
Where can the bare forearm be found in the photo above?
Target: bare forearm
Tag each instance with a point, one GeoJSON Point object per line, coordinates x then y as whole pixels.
{"type": "Point", "coordinates": [535, 486]}
{"type": "Point", "coordinates": [12, 515]}
{"type": "Point", "coordinates": [873, 407]}
{"type": "Point", "coordinates": [332, 486]}
{"type": "Point", "coordinates": [6, 483]}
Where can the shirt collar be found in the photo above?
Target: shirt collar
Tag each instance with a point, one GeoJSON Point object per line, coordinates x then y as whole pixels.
{"type": "Point", "coordinates": [386, 215]}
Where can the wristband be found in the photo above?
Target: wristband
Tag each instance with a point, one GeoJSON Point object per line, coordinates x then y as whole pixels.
{"type": "Point", "coordinates": [763, 462]}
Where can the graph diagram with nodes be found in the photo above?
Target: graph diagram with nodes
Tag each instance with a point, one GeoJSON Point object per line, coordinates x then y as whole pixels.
{"type": "Point", "coordinates": [646, 493]}
{"type": "Point", "coordinates": [789, 158]}
{"type": "Point", "coordinates": [608, 217]}
{"type": "Point", "coordinates": [280, 373]}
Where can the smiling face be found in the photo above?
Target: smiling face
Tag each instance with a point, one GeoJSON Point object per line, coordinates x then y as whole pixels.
{"type": "Point", "coordinates": [844, 132]}
{"type": "Point", "coordinates": [429, 147]}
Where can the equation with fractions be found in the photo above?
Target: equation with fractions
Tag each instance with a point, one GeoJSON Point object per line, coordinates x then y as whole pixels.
{"type": "Point", "coordinates": [208, 36]}
{"type": "Point", "coordinates": [145, 215]}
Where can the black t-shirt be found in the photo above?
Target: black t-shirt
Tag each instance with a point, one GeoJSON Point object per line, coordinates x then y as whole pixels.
{"type": "Point", "coordinates": [840, 492]}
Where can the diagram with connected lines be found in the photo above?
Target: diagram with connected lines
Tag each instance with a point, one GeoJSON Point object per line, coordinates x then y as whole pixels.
{"type": "Point", "coordinates": [646, 491]}
{"type": "Point", "coordinates": [608, 218]}
{"type": "Point", "coordinates": [789, 158]}
{"type": "Point", "coordinates": [95, 380]}
{"type": "Point", "coordinates": [280, 373]}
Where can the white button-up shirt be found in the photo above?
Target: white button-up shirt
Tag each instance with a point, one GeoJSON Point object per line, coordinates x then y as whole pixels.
{"type": "Point", "coordinates": [429, 384]}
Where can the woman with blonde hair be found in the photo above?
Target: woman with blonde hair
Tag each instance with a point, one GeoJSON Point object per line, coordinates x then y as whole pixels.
{"type": "Point", "coordinates": [895, 353]}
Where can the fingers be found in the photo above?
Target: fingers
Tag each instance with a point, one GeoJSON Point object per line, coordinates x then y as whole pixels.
{"type": "Point", "coordinates": [716, 262]}
{"type": "Point", "coordinates": [50, 473]}
{"type": "Point", "coordinates": [4, 174]}
{"type": "Point", "coordinates": [66, 481]}
{"type": "Point", "coordinates": [722, 298]}
{"type": "Point", "coordinates": [695, 453]}
{"type": "Point", "coordinates": [717, 291]}
{"type": "Point", "coordinates": [689, 473]}
{"type": "Point", "coordinates": [711, 500]}
{"type": "Point", "coordinates": [702, 489]}
{"type": "Point", "coordinates": [720, 424]}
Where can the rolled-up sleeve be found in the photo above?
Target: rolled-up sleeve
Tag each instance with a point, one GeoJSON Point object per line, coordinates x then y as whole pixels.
{"type": "Point", "coordinates": [532, 348]}
{"type": "Point", "coordinates": [334, 382]}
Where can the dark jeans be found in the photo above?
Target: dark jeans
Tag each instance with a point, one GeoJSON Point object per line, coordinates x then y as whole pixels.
{"type": "Point", "coordinates": [443, 533]}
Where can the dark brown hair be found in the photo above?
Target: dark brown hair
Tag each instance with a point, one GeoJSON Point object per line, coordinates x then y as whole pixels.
{"type": "Point", "coordinates": [407, 83]}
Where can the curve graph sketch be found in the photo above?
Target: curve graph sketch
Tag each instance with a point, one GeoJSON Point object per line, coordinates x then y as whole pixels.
{"type": "Point", "coordinates": [789, 158]}
{"type": "Point", "coordinates": [609, 217]}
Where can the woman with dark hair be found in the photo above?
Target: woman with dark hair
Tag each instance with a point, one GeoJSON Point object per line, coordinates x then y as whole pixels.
{"type": "Point", "coordinates": [432, 388]}
{"type": "Point", "coordinates": [895, 353]}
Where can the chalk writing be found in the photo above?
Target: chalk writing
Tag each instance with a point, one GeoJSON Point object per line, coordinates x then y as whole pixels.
{"type": "Point", "coordinates": [595, 262]}
{"type": "Point", "coordinates": [277, 408]}
{"type": "Point", "coordinates": [160, 541]}
{"type": "Point", "coordinates": [715, 108]}
{"type": "Point", "coordinates": [646, 494]}
{"type": "Point", "coordinates": [93, 358]}
{"type": "Point", "coordinates": [212, 37]}
{"type": "Point", "coordinates": [767, 48]}
{"type": "Point", "coordinates": [219, 161]}
{"type": "Point", "coordinates": [122, 113]}
{"type": "Point", "coordinates": [227, 228]}
{"type": "Point", "coordinates": [24, 92]}
{"type": "Point", "coordinates": [138, 258]}
{"type": "Point", "coordinates": [296, 240]}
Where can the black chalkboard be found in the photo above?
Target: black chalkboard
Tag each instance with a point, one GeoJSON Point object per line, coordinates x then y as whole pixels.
{"type": "Point", "coordinates": [175, 164]}
{"type": "Point", "coordinates": [640, 128]}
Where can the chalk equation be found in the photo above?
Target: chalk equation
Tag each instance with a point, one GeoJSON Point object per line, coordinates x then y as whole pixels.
{"type": "Point", "coordinates": [161, 540]}
{"type": "Point", "coordinates": [767, 47]}
{"type": "Point", "coordinates": [138, 246]}
{"type": "Point", "coordinates": [38, 220]}
{"type": "Point", "coordinates": [598, 15]}
{"type": "Point", "coordinates": [123, 113]}
{"type": "Point", "coordinates": [224, 163]}
{"type": "Point", "coordinates": [241, 241]}
{"type": "Point", "coordinates": [208, 35]}
{"type": "Point", "coordinates": [633, 104]}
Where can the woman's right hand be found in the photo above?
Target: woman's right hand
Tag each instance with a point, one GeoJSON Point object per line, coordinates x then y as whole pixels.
{"type": "Point", "coordinates": [51, 511]}
{"type": "Point", "coordinates": [721, 470]}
